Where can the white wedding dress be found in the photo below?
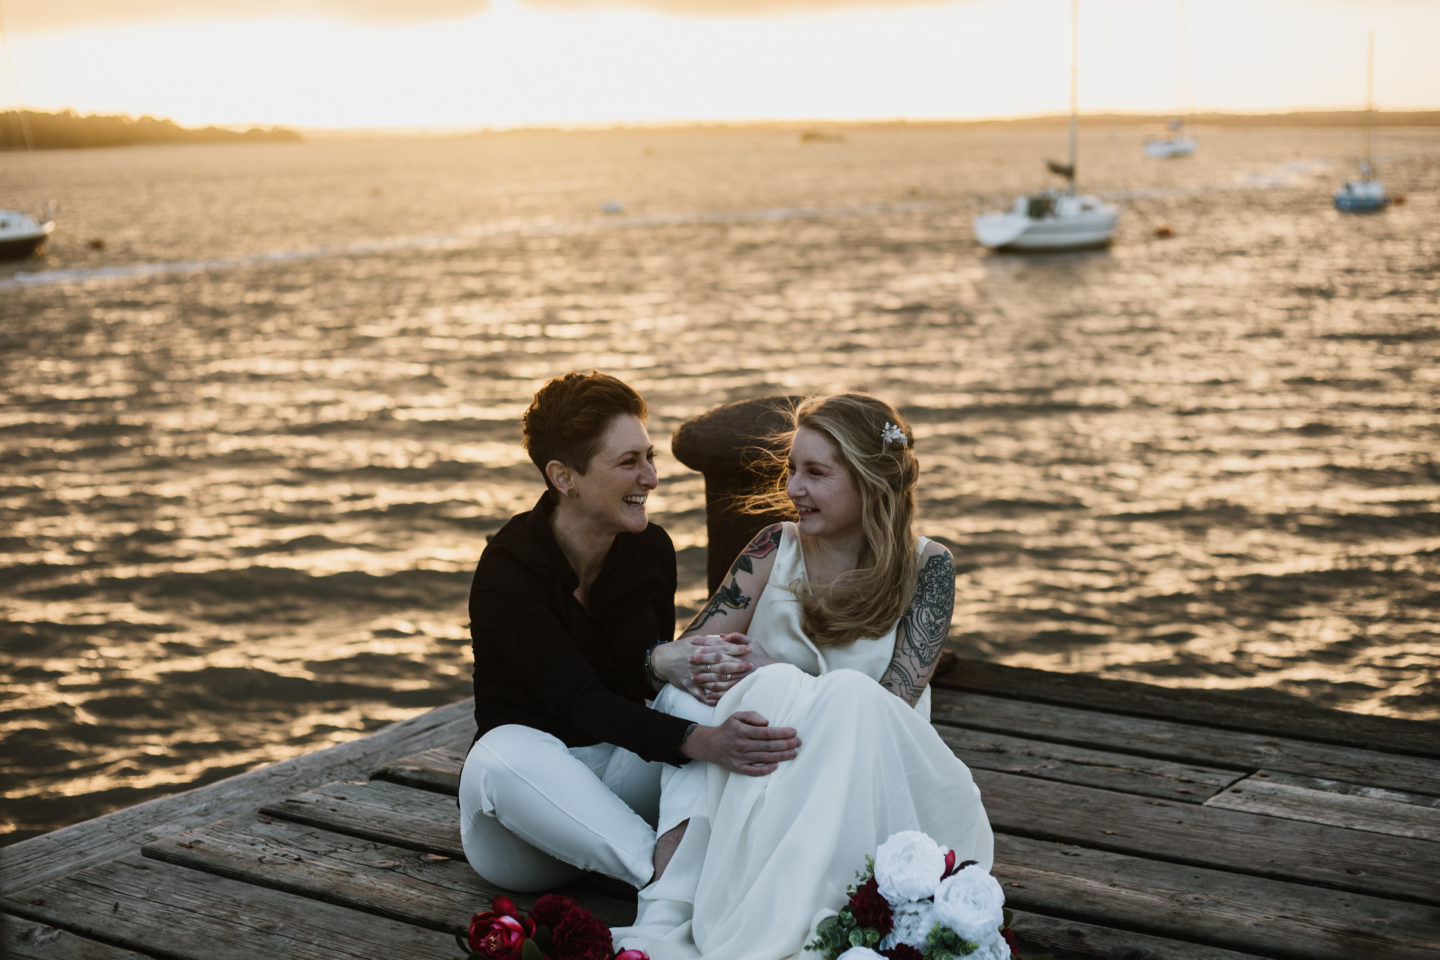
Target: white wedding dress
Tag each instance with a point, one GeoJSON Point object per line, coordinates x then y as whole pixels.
{"type": "Point", "coordinates": [765, 859]}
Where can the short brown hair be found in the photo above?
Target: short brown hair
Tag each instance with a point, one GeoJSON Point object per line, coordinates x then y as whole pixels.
{"type": "Point", "coordinates": [567, 416]}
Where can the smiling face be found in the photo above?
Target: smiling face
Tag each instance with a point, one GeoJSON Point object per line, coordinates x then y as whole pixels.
{"type": "Point", "coordinates": [821, 487]}
{"type": "Point", "coordinates": [612, 491]}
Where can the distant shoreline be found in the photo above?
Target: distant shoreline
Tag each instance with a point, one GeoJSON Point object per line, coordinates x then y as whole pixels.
{"type": "Point", "coordinates": [30, 129]}
{"type": "Point", "coordinates": [1312, 118]}
{"type": "Point", "coordinates": [68, 130]}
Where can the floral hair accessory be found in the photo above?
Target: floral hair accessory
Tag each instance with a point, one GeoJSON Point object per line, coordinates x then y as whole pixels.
{"type": "Point", "coordinates": [893, 434]}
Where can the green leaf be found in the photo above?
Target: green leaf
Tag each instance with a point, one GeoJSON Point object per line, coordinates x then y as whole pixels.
{"type": "Point", "coordinates": [531, 951]}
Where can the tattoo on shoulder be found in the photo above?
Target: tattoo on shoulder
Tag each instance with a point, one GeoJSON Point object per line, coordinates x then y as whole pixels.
{"type": "Point", "coordinates": [925, 627]}
{"type": "Point", "coordinates": [764, 544]}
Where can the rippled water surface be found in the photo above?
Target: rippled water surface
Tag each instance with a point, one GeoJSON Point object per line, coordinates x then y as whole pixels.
{"type": "Point", "coordinates": [252, 443]}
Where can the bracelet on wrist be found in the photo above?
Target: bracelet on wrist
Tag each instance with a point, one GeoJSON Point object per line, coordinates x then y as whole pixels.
{"type": "Point", "coordinates": [650, 664]}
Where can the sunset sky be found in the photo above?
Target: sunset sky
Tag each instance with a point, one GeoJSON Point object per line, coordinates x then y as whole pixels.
{"type": "Point", "coordinates": [471, 63]}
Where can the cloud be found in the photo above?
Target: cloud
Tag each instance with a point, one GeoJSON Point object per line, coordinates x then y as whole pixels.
{"type": "Point", "coordinates": [722, 8]}
{"type": "Point", "coordinates": [36, 15]}
{"type": "Point", "coordinates": [40, 15]}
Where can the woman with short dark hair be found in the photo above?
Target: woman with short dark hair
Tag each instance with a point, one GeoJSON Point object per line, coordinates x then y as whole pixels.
{"type": "Point", "coordinates": [570, 609]}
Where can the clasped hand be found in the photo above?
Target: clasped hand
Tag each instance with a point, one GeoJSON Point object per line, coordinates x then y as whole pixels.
{"type": "Point", "coordinates": [707, 666]}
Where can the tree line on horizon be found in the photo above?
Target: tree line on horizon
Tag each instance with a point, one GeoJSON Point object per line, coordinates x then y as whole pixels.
{"type": "Point", "coordinates": [25, 129]}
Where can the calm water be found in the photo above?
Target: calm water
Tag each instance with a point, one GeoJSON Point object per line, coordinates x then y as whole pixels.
{"type": "Point", "coordinates": [250, 449]}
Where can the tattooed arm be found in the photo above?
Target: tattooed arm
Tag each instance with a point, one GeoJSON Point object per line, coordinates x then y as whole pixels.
{"type": "Point", "coordinates": [920, 638]}
{"type": "Point", "coordinates": [733, 604]}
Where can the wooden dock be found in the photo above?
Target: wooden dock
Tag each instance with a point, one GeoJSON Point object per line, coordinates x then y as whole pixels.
{"type": "Point", "coordinates": [1132, 823]}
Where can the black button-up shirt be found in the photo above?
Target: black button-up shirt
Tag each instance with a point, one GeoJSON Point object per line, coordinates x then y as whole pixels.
{"type": "Point", "coordinates": [545, 661]}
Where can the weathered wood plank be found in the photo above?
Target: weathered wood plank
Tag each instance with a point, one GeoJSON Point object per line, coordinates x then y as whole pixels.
{"type": "Point", "coordinates": [1319, 801]}
{"type": "Point", "coordinates": [1253, 710]}
{"type": "Point", "coordinates": [425, 889]}
{"type": "Point", "coordinates": [379, 810]}
{"type": "Point", "coordinates": [72, 848]}
{"type": "Point", "coordinates": [22, 939]}
{"type": "Point", "coordinates": [189, 915]}
{"type": "Point", "coordinates": [1271, 918]}
{"type": "Point", "coordinates": [1222, 839]}
{"type": "Point", "coordinates": [1186, 743]}
{"type": "Point", "coordinates": [439, 770]}
{"type": "Point", "coordinates": [1140, 825]}
{"type": "Point", "coordinates": [1107, 769]}
{"type": "Point", "coordinates": [1100, 819]}
{"type": "Point", "coordinates": [1075, 940]}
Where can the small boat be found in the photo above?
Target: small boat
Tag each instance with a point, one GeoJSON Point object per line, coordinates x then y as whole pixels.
{"type": "Point", "coordinates": [1362, 196]}
{"type": "Point", "coordinates": [1174, 142]}
{"type": "Point", "coordinates": [1365, 195]}
{"type": "Point", "coordinates": [21, 234]}
{"type": "Point", "coordinates": [1052, 219]}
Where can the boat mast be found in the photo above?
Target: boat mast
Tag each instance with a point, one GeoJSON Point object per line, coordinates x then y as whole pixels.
{"type": "Point", "coordinates": [1369, 97]}
{"type": "Point", "coordinates": [1180, 80]}
{"type": "Point", "coordinates": [1074, 122]}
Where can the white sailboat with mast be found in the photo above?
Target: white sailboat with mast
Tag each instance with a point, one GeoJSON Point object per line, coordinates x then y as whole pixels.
{"type": "Point", "coordinates": [1175, 142]}
{"type": "Point", "coordinates": [1053, 219]}
{"type": "Point", "coordinates": [1365, 195]}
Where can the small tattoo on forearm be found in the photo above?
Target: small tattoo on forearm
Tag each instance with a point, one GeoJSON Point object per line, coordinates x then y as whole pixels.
{"type": "Point", "coordinates": [729, 596]}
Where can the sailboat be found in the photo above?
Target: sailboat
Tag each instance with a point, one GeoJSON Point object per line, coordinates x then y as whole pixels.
{"type": "Point", "coordinates": [1053, 219]}
{"type": "Point", "coordinates": [1367, 194]}
{"type": "Point", "coordinates": [1174, 142]}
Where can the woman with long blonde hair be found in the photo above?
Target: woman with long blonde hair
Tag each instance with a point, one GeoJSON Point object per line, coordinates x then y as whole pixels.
{"type": "Point", "coordinates": [845, 612]}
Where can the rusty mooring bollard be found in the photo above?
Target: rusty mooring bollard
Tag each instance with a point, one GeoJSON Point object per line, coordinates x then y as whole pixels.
{"type": "Point", "coordinates": [720, 443]}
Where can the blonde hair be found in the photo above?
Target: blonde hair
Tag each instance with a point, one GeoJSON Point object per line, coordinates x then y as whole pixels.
{"type": "Point", "coordinates": [868, 600]}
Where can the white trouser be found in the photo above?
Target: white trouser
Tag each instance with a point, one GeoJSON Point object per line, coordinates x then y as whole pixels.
{"type": "Point", "coordinates": [535, 813]}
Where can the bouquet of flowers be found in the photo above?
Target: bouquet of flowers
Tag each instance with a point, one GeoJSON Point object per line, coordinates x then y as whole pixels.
{"type": "Point", "coordinates": [914, 902]}
{"type": "Point", "coordinates": [558, 928]}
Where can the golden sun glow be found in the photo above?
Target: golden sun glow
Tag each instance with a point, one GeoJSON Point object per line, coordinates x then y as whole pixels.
{"type": "Point", "coordinates": [516, 65]}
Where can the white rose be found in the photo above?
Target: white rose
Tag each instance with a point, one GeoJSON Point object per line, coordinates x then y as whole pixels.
{"type": "Point", "coordinates": [908, 867]}
{"type": "Point", "coordinates": [971, 903]}
{"type": "Point", "coordinates": [912, 923]}
{"type": "Point", "coordinates": [993, 948]}
{"type": "Point", "coordinates": [864, 953]}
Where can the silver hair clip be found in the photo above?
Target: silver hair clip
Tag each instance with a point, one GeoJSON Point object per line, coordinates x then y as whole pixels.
{"type": "Point", "coordinates": [893, 434]}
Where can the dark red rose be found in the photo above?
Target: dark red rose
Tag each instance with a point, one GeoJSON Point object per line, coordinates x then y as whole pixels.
{"type": "Point", "coordinates": [949, 864]}
{"type": "Point", "coordinates": [551, 909]}
{"type": "Point", "coordinates": [1009, 936]}
{"type": "Point", "coordinates": [581, 936]}
{"type": "Point", "coordinates": [631, 955]}
{"type": "Point", "coordinates": [494, 936]}
{"type": "Point", "coordinates": [902, 951]}
{"type": "Point", "coordinates": [871, 909]}
{"type": "Point", "coordinates": [505, 907]}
